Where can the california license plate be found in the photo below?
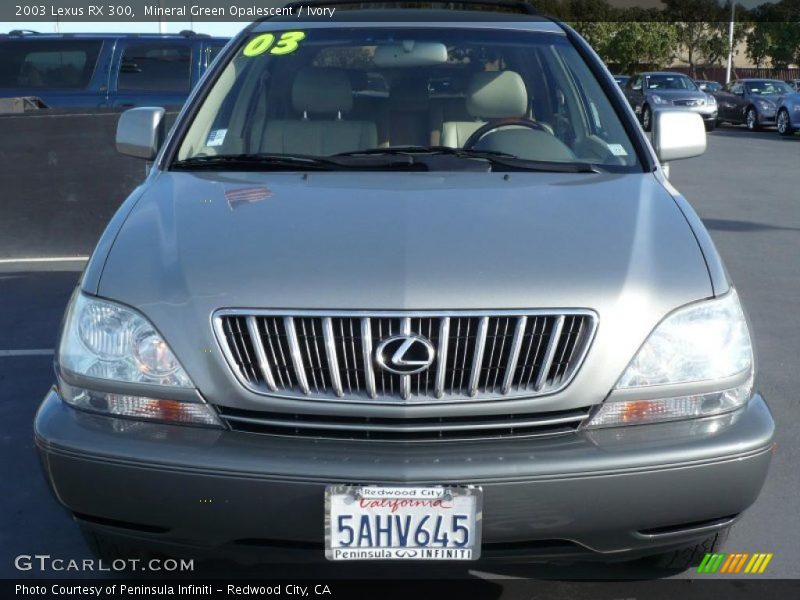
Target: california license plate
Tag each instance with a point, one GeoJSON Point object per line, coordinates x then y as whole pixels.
{"type": "Point", "coordinates": [402, 523]}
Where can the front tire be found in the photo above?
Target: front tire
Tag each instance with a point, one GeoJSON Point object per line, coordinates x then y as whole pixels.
{"type": "Point", "coordinates": [751, 119]}
{"type": "Point", "coordinates": [647, 118]}
{"type": "Point", "coordinates": [783, 123]}
{"type": "Point", "coordinates": [710, 125]}
{"type": "Point", "coordinates": [692, 556]}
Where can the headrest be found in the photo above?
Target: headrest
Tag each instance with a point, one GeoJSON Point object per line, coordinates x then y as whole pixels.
{"type": "Point", "coordinates": [410, 94]}
{"type": "Point", "coordinates": [318, 90]}
{"type": "Point", "coordinates": [497, 95]}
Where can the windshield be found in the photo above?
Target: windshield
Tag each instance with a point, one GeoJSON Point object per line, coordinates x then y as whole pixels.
{"type": "Point", "coordinates": [768, 88]}
{"type": "Point", "coordinates": [670, 82]}
{"type": "Point", "coordinates": [333, 91]}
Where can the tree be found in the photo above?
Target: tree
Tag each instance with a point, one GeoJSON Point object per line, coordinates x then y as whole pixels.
{"type": "Point", "coordinates": [642, 43]}
{"type": "Point", "coordinates": [698, 30]}
{"type": "Point", "coordinates": [775, 34]}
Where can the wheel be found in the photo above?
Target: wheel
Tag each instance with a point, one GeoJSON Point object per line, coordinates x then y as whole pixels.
{"type": "Point", "coordinates": [689, 557]}
{"type": "Point", "coordinates": [751, 119]}
{"type": "Point", "coordinates": [647, 118]}
{"type": "Point", "coordinates": [710, 125]}
{"type": "Point", "coordinates": [783, 122]}
{"type": "Point", "coordinates": [109, 548]}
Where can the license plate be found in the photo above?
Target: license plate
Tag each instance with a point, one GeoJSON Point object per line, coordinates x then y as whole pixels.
{"type": "Point", "coordinates": [402, 523]}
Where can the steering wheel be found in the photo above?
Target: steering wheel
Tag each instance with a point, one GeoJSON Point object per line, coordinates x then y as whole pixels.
{"type": "Point", "coordinates": [499, 124]}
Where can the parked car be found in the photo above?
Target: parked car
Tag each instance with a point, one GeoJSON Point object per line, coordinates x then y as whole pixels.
{"type": "Point", "coordinates": [104, 70]}
{"type": "Point", "coordinates": [787, 119]}
{"type": "Point", "coordinates": [751, 101]}
{"type": "Point", "coordinates": [650, 91]}
{"type": "Point", "coordinates": [622, 79]}
{"type": "Point", "coordinates": [707, 85]}
{"type": "Point", "coordinates": [304, 331]}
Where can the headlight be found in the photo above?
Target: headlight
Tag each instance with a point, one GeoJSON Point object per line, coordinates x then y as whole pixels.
{"type": "Point", "coordinates": [104, 340]}
{"type": "Point", "coordinates": [711, 99]}
{"type": "Point", "coordinates": [764, 105]}
{"type": "Point", "coordinates": [700, 343]}
{"type": "Point", "coordinates": [658, 99]}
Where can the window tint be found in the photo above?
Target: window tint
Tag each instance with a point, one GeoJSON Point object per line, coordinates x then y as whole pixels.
{"type": "Point", "coordinates": [48, 64]}
{"type": "Point", "coordinates": [155, 67]}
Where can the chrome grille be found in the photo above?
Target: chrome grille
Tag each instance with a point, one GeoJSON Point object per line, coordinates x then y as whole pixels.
{"type": "Point", "coordinates": [330, 356]}
{"type": "Point", "coordinates": [404, 429]}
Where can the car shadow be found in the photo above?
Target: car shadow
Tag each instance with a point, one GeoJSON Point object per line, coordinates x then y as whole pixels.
{"type": "Point", "coordinates": [741, 131]}
{"type": "Point", "coordinates": [743, 226]}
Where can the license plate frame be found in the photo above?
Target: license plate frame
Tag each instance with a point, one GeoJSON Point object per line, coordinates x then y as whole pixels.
{"type": "Point", "coordinates": [336, 496]}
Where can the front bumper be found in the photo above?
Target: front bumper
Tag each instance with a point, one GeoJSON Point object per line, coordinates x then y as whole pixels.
{"type": "Point", "coordinates": [614, 493]}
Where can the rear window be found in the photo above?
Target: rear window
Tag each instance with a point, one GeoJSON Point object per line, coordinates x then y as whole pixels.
{"type": "Point", "coordinates": [48, 64]}
{"type": "Point", "coordinates": [155, 67]}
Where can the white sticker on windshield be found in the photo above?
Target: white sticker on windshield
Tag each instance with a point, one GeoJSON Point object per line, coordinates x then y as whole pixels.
{"type": "Point", "coordinates": [617, 150]}
{"type": "Point", "coordinates": [216, 137]}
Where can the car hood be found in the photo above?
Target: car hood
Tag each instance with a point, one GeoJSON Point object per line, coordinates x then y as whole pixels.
{"type": "Point", "coordinates": [671, 94]}
{"type": "Point", "coordinates": [197, 242]}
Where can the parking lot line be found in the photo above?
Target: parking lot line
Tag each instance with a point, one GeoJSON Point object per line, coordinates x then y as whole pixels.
{"type": "Point", "coordinates": [31, 352]}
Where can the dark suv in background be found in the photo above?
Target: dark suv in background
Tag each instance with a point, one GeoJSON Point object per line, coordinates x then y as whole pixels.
{"type": "Point", "coordinates": [104, 70]}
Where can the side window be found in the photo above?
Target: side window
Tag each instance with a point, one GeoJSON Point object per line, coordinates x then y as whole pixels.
{"type": "Point", "coordinates": [636, 83]}
{"type": "Point", "coordinates": [737, 88]}
{"type": "Point", "coordinates": [155, 67]}
{"type": "Point", "coordinates": [49, 64]}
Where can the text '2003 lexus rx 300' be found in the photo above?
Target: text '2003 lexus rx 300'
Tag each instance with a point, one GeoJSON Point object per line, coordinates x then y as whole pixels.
{"type": "Point", "coordinates": [402, 288]}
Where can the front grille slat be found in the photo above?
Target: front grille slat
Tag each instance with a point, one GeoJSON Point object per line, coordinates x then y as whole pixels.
{"type": "Point", "coordinates": [366, 345]}
{"type": "Point", "coordinates": [296, 355]}
{"type": "Point", "coordinates": [261, 354]}
{"type": "Point", "coordinates": [478, 356]}
{"type": "Point", "coordinates": [477, 359]}
{"type": "Point", "coordinates": [552, 345]}
{"type": "Point", "coordinates": [516, 347]}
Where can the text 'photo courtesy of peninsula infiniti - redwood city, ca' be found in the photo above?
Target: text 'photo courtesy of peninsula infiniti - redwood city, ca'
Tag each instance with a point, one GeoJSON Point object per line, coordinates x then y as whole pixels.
{"type": "Point", "coordinates": [406, 287]}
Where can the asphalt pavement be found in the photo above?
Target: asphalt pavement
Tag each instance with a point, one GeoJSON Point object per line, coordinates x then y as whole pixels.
{"type": "Point", "coordinates": [746, 190]}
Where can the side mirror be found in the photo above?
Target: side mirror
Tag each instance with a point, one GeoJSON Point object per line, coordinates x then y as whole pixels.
{"type": "Point", "coordinates": [678, 134]}
{"type": "Point", "coordinates": [140, 132]}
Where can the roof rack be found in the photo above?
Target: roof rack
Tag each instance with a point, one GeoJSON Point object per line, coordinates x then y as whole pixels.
{"type": "Point", "coordinates": [520, 6]}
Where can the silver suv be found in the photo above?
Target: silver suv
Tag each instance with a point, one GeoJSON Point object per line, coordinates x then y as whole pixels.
{"type": "Point", "coordinates": [406, 286]}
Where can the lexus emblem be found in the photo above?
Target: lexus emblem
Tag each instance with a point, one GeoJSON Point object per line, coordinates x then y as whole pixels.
{"type": "Point", "coordinates": [405, 354]}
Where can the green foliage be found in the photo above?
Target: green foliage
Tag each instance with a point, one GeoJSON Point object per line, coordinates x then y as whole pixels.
{"type": "Point", "coordinates": [641, 44]}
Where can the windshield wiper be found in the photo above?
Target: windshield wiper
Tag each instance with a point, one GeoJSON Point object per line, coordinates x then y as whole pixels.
{"type": "Point", "coordinates": [497, 159]}
{"type": "Point", "coordinates": [290, 162]}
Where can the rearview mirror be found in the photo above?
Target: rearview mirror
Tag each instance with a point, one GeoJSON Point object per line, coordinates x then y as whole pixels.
{"type": "Point", "coordinates": [140, 132]}
{"type": "Point", "coordinates": [678, 134]}
{"type": "Point", "coordinates": [410, 53]}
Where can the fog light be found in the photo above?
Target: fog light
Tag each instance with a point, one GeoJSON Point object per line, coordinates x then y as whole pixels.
{"type": "Point", "coordinates": [639, 412]}
{"type": "Point", "coordinates": [139, 407]}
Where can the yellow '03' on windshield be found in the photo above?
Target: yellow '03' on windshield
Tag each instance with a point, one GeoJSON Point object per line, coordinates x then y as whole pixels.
{"type": "Point", "coordinates": [287, 43]}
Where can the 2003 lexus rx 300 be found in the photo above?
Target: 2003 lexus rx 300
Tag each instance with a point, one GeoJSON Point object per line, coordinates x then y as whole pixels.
{"type": "Point", "coordinates": [400, 289]}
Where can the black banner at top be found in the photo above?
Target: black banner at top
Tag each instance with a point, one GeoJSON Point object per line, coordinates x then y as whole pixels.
{"type": "Point", "coordinates": [71, 11]}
